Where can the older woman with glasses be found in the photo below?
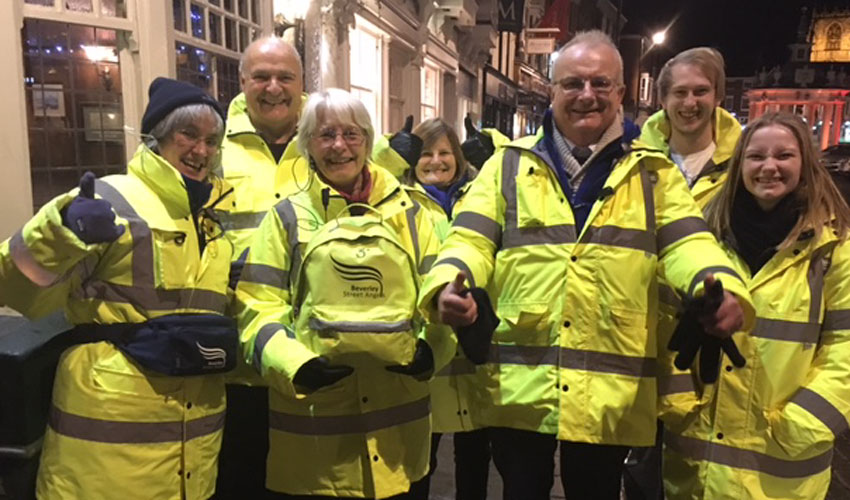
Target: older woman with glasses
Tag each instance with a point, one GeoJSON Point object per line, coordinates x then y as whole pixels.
{"type": "Point", "coordinates": [138, 265]}
{"type": "Point", "coordinates": [328, 317]}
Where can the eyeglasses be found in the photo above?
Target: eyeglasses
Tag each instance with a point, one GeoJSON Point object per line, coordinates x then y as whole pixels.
{"type": "Point", "coordinates": [598, 84]}
{"type": "Point", "coordinates": [326, 138]}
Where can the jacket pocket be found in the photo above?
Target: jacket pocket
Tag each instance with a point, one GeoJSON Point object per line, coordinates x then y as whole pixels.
{"type": "Point", "coordinates": [124, 383]}
{"type": "Point", "coordinates": [524, 324]}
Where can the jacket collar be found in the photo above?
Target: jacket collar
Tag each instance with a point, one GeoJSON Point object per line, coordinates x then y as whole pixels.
{"type": "Point", "coordinates": [656, 133]}
{"type": "Point", "coordinates": [384, 186]}
{"type": "Point", "coordinates": [238, 121]}
{"type": "Point", "coordinates": [162, 179]}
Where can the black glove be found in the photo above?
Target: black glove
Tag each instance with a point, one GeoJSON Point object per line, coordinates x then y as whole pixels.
{"type": "Point", "coordinates": [422, 366]}
{"type": "Point", "coordinates": [319, 372]}
{"type": "Point", "coordinates": [478, 147]}
{"type": "Point", "coordinates": [690, 337]}
{"type": "Point", "coordinates": [406, 144]}
{"type": "Point", "coordinates": [475, 339]}
{"type": "Point", "coordinates": [92, 220]}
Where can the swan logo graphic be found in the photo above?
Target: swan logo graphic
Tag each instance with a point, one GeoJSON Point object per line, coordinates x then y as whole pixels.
{"type": "Point", "coordinates": [214, 356]}
{"type": "Point", "coordinates": [365, 281]}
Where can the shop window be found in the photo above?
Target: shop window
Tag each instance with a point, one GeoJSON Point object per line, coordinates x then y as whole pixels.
{"type": "Point", "coordinates": [197, 16]}
{"type": "Point", "coordinates": [78, 5]}
{"type": "Point", "coordinates": [215, 29]}
{"type": "Point", "coordinates": [833, 37]}
{"type": "Point", "coordinates": [113, 8]}
{"type": "Point", "coordinates": [227, 79]}
{"type": "Point", "coordinates": [230, 34]}
{"type": "Point", "coordinates": [194, 66]}
{"type": "Point", "coordinates": [74, 106]}
{"type": "Point", "coordinates": [430, 92]}
{"type": "Point", "coordinates": [179, 10]}
{"type": "Point", "coordinates": [243, 9]}
{"type": "Point", "coordinates": [255, 11]}
{"type": "Point", "coordinates": [244, 39]}
{"type": "Point", "coordinates": [366, 71]}
{"type": "Point", "coordinates": [228, 5]}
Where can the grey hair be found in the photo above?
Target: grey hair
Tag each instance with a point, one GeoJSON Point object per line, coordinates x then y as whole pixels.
{"type": "Point", "coordinates": [595, 38]}
{"type": "Point", "coordinates": [343, 105]}
{"type": "Point", "coordinates": [179, 119]}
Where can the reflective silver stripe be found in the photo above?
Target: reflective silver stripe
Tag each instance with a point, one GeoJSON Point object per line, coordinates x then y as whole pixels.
{"type": "Point", "coordinates": [543, 235]}
{"type": "Point", "coordinates": [637, 239]}
{"type": "Point", "coordinates": [263, 336]}
{"type": "Point", "coordinates": [27, 264]}
{"type": "Point", "coordinates": [667, 295]}
{"type": "Point", "coordinates": [697, 449]}
{"type": "Point", "coordinates": [142, 266]}
{"type": "Point", "coordinates": [286, 212]}
{"type": "Point", "coordinates": [523, 355]}
{"type": "Point", "coordinates": [411, 224]}
{"type": "Point", "coordinates": [427, 263]}
{"type": "Point", "coordinates": [700, 276]}
{"type": "Point", "coordinates": [235, 221]}
{"type": "Point", "coordinates": [648, 201]}
{"type": "Point", "coordinates": [837, 320]}
{"type": "Point", "coordinates": [112, 431]}
{"type": "Point", "coordinates": [822, 409]}
{"type": "Point", "coordinates": [481, 224]}
{"type": "Point", "coordinates": [457, 366]}
{"type": "Point", "coordinates": [603, 362]}
{"type": "Point", "coordinates": [510, 166]}
{"type": "Point", "coordinates": [791, 331]}
{"type": "Point", "coordinates": [679, 229]}
{"type": "Point", "coordinates": [265, 275]}
{"type": "Point", "coordinates": [350, 424]}
{"type": "Point", "coordinates": [676, 384]}
{"type": "Point", "coordinates": [455, 262]}
{"type": "Point", "coordinates": [155, 299]}
{"type": "Point", "coordinates": [815, 280]}
{"type": "Point", "coordinates": [360, 326]}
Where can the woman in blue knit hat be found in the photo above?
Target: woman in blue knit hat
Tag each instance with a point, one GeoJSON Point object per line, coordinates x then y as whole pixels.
{"type": "Point", "coordinates": [138, 264]}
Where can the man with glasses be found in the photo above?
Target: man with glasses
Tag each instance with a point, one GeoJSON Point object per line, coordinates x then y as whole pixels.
{"type": "Point", "coordinates": [567, 231]}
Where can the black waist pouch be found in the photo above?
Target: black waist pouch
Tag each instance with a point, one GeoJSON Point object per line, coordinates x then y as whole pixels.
{"type": "Point", "coordinates": [176, 344]}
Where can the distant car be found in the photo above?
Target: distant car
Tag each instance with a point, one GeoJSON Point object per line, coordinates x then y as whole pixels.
{"type": "Point", "coordinates": [837, 158]}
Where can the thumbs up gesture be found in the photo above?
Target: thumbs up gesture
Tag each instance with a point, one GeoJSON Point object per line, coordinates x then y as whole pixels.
{"type": "Point", "coordinates": [406, 144]}
{"type": "Point", "coordinates": [478, 147]}
{"type": "Point", "coordinates": [455, 305]}
{"type": "Point", "coordinates": [91, 219]}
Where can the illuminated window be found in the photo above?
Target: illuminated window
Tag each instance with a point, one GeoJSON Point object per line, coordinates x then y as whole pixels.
{"type": "Point", "coordinates": [366, 70]}
{"type": "Point", "coordinates": [430, 92]}
{"type": "Point", "coordinates": [833, 37]}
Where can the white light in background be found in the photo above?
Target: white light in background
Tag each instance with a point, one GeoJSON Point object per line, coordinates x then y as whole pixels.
{"type": "Point", "coordinates": [292, 9]}
{"type": "Point", "coordinates": [97, 53]}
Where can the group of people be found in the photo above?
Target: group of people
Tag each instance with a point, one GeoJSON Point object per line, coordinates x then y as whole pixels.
{"type": "Point", "coordinates": [360, 296]}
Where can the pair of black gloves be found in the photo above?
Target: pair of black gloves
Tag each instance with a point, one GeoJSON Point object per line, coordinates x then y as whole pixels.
{"type": "Point", "coordinates": [690, 338]}
{"type": "Point", "coordinates": [91, 219]}
{"type": "Point", "coordinates": [319, 372]}
{"type": "Point", "coordinates": [477, 147]}
{"type": "Point", "coordinates": [474, 339]}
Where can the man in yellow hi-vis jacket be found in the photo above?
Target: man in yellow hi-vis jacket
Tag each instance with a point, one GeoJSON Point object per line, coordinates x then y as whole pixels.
{"type": "Point", "coordinates": [567, 231]}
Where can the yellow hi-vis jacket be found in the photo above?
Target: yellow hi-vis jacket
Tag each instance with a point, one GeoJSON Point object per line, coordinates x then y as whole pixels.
{"type": "Point", "coordinates": [575, 352]}
{"type": "Point", "coordinates": [258, 181]}
{"type": "Point", "coordinates": [116, 430]}
{"type": "Point", "coordinates": [767, 430]}
{"type": "Point", "coordinates": [457, 391]}
{"type": "Point", "coordinates": [369, 434]}
{"type": "Point", "coordinates": [656, 131]}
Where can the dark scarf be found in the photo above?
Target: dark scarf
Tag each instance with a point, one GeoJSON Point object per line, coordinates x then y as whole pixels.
{"type": "Point", "coordinates": [758, 233]}
{"type": "Point", "coordinates": [199, 194]}
{"type": "Point", "coordinates": [446, 197]}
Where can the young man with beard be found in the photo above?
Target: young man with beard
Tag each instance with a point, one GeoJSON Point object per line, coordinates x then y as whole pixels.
{"type": "Point", "coordinates": [567, 230]}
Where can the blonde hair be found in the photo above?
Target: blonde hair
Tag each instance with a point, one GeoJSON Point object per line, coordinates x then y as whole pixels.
{"type": "Point", "coordinates": [708, 60]}
{"type": "Point", "coordinates": [337, 102]}
{"type": "Point", "coordinates": [819, 199]}
{"type": "Point", "coordinates": [430, 132]}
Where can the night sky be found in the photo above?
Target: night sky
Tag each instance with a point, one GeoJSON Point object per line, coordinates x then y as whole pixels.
{"type": "Point", "coordinates": [749, 33]}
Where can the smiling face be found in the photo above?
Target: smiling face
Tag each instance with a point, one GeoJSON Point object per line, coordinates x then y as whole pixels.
{"type": "Point", "coordinates": [192, 149]}
{"type": "Point", "coordinates": [437, 165]}
{"type": "Point", "coordinates": [691, 100]}
{"type": "Point", "coordinates": [272, 82]}
{"type": "Point", "coordinates": [771, 165]}
{"type": "Point", "coordinates": [338, 147]}
{"type": "Point", "coordinates": [583, 114]}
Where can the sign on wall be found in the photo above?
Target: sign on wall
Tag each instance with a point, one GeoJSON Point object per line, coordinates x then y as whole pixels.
{"type": "Point", "coordinates": [510, 15]}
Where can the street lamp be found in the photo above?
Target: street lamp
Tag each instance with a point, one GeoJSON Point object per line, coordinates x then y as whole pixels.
{"type": "Point", "coordinates": [291, 14]}
{"type": "Point", "coordinates": [658, 37]}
